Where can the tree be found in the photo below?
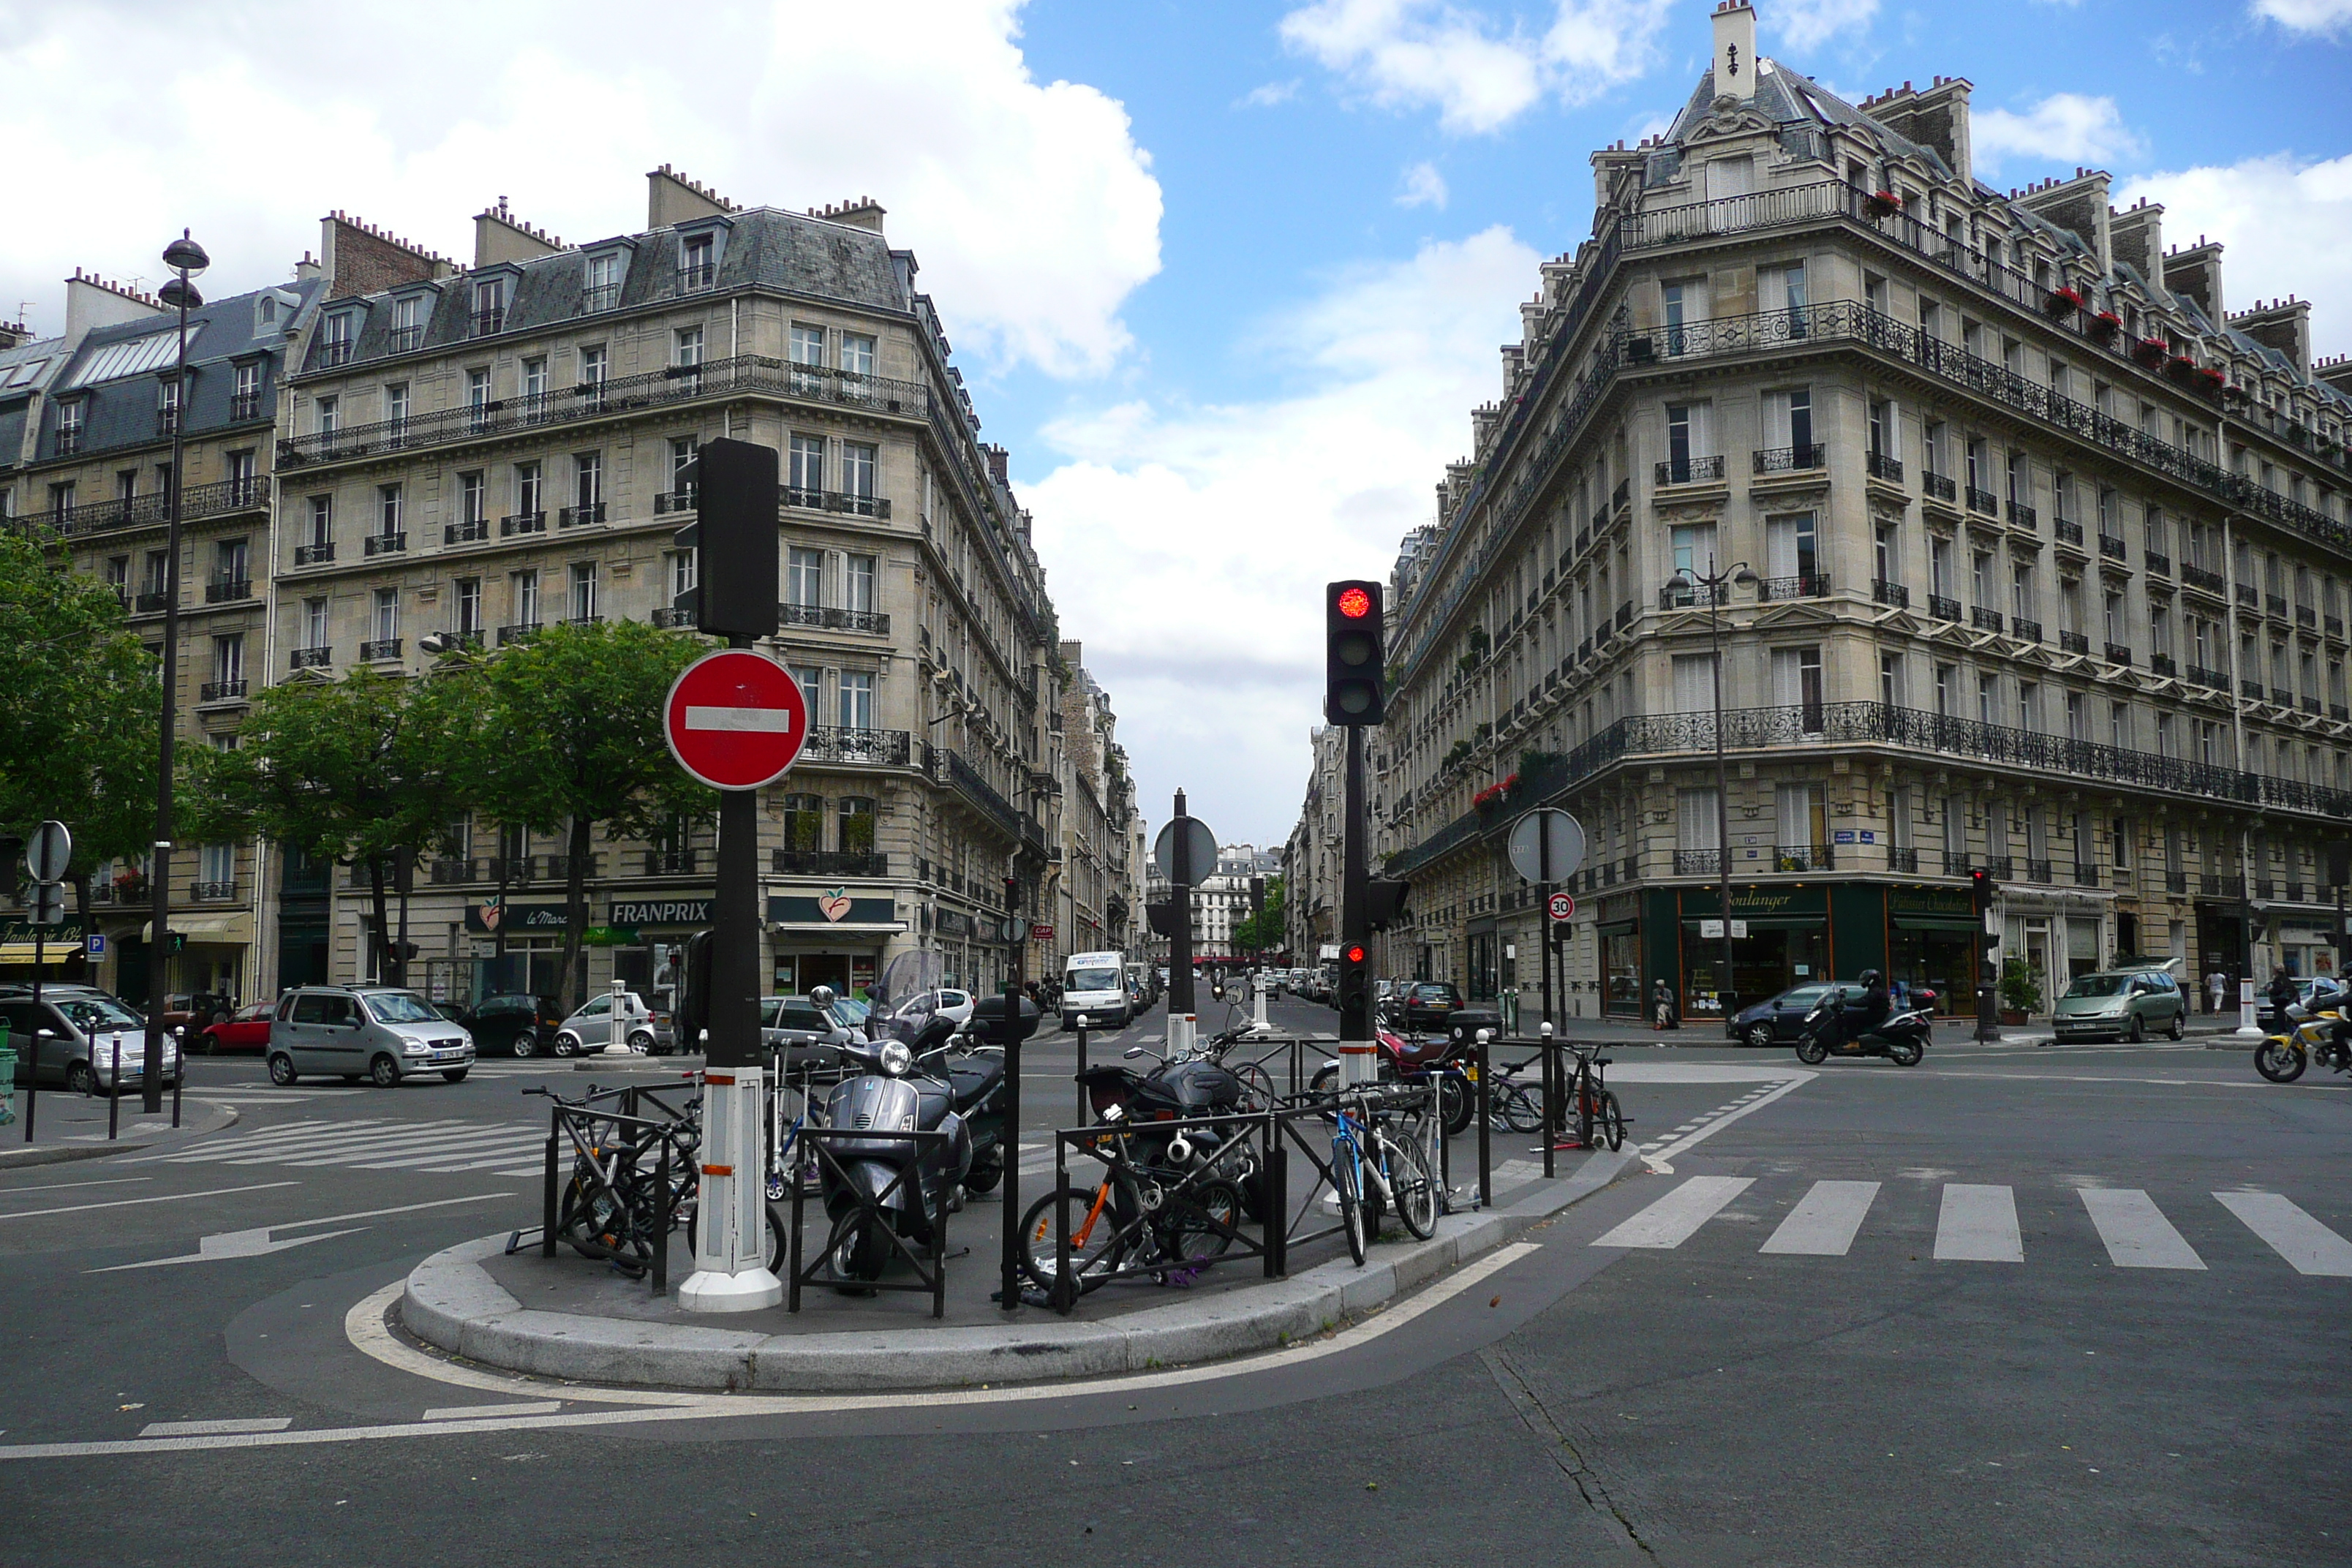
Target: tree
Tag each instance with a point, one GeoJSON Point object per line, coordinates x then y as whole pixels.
{"type": "Point", "coordinates": [81, 701]}
{"type": "Point", "coordinates": [1263, 933]}
{"type": "Point", "coordinates": [571, 735]}
{"type": "Point", "coordinates": [360, 771]}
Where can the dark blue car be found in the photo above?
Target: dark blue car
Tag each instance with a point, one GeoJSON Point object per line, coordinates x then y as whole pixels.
{"type": "Point", "coordinates": [1782, 1019]}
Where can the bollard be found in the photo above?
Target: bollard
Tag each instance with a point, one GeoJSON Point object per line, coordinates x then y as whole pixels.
{"type": "Point", "coordinates": [114, 1093]}
{"type": "Point", "coordinates": [1277, 1206]}
{"type": "Point", "coordinates": [1081, 1075]}
{"type": "Point", "coordinates": [1550, 1073]}
{"type": "Point", "coordinates": [1486, 1161]}
{"type": "Point", "coordinates": [662, 1221]}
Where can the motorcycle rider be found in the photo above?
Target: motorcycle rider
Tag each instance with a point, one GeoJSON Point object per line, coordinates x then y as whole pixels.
{"type": "Point", "coordinates": [1863, 1015]}
{"type": "Point", "coordinates": [2281, 993]}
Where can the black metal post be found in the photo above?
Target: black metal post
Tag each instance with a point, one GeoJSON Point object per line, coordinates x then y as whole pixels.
{"type": "Point", "coordinates": [1550, 1099]}
{"type": "Point", "coordinates": [33, 1073]}
{"type": "Point", "coordinates": [1065, 1294]}
{"type": "Point", "coordinates": [114, 1094]}
{"type": "Point", "coordinates": [159, 945]}
{"type": "Point", "coordinates": [662, 1219]}
{"type": "Point", "coordinates": [1486, 1139]}
{"type": "Point", "coordinates": [1355, 924]}
{"type": "Point", "coordinates": [793, 1284]}
{"type": "Point", "coordinates": [1179, 894]}
{"type": "Point", "coordinates": [1081, 1074]}
{"type": "Point", "coordinates": [547, 1196]}
{"type": "Point", "coordinates": [1987, 1019]}
{"type": "Point", "coordinates": [1009, 1286]}
{"type": "Point", "coordinates": [1277, 1201]}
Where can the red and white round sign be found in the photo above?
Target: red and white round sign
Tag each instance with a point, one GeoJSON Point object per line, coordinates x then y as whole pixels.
{"type": "Point", "coordinates": [1563, 908]}
{"type": "Point", "coordinates": [736, 719]}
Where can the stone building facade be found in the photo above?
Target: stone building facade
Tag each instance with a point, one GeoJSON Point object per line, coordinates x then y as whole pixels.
{"type": "Point", "coordinates": [2037, 558]}
{"type": "Point", "coordinates": [1091, 879]}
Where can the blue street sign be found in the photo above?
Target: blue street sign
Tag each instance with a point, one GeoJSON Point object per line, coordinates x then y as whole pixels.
{"type": "Point", "coordinates": [96, 945]}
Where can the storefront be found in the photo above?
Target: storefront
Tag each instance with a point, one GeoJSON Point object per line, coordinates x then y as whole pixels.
{"type": "Point", "coordinates": [952, 932]}
{"type": "Point", "coordinates": [2303, 945]}
{"type": "Point", "coordinates": [645, 934]}
{"type": "Point", "coordinates": [829, 939]}
{"type": "Point", "coordinates": [1933, 938]}
{"type": "Point", "coordinates": [1620, 941]}
{"type": "Point", "coordinates": [60, 949]}
{"type": "Point", "coordinates": [517, 947]}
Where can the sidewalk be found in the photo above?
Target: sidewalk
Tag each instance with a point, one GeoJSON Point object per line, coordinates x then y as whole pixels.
{"type": "Point", "coordinates": [585, 1323]}
{"type": "Point", "coordinates": [69, 1126]}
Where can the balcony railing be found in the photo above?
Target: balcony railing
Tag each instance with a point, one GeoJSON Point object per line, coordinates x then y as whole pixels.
{"type": "Point", "coordinates": [380, 647]}
{"type": "Point", "coordinates": [384, 544]}
{"type": "Point", "coordinates": [1899, 859]}
{"type": "Point", "coordinates": [221, 691]}
{"type": "Point", "coordinates": [674, 618]}
{"type": "Point", "coordinates": [2216, 680]}
{"type": "Point", "coordinates": [469, 532]}
{"type": "Point", "coordinates": [577, 516]}
{"type": "Point", "coordinates": [333, 351]}
{"type": "Point", "coordinates": [2282, 697]}
{"type": "Point", "coordinates": [407, 340]}
{"type": "Point", "coordinates": [2118, 654]}
{"type": "Point", "coordinates": [311, 658]}
{"type": "Point", "coordinates": [244, 407]}
{"type": "Point", "coordinates": [1688, 470]}
{"type": "Point", "coordinates": [672, 862]}
{"type": "Point", "coordinates": [314, 554]}
{"type": "Point", "coordinates": [2072, 642]}
{"type": "Point", "coordinates": [1882, 466]}
{"type": "Point", "coordinates": [1886, 592]}
{"type": "Point", "coordinates": [227, 590]}
{"type": "Point", "coordinates": [1698, 596]}
{"type": "Point", "coordinates": [2306, 617]}
{"type": "Point", "coordinates": [522, 523]}
{"type": "Point", "coordinates": [754, 374]}
{"type": "Point", "coordinates": [2162, 664]}
{"type": "Point", "coordinates": [702, 276]}
{"type": "Point", "coordinates": [2111, 548]}
{"type": "Point", "coordinates": [1789, 459]}
{"type": "Point", "coordinates": [2157, 562]}
{"type": "Point", "coordinates": [197, 502]}
{"type": "Point", "coordinates": [2334, 625]}
{"type": "Point", "coordinates": [212, 892]}
{"type": "Point", "coordinates": [1984, 620]}
{"type": "Point", "coordinates": [1984, 501]}
{"type": "Point", "coordinates": [1958, 862]}
{"type": "Point", "coordinates": [521, 632]}
{"type": "Point", "coordinates": [598, 297]}
{"type": "Point", "coordinates": [487, 322]}
{"type": "Point", "coordinates": [2025, 630]}
{"type": "Point", "coordinates": [2023, 515]}
{"type": "Point", "coordinates": [806, 499]}
{"type": "Point", "coordinates": [2249, 595]}
{"type": "Point", "coordinates": [2067, 533]}
{"type": "Point", "coordinates": [2250, 689]}
{"type": "Point", "coordinates": [1942, 609]}
{"type": "Point", "coordinates": [1698, 862]}
{"type": "Point", "coordinates": [1803, 586]}
{"type": "Point", "coordinates": [981, 794]}
{"type": "Point", "coordinates": [879, 748]}
{"type": "Point", "coordinates": [829, 863]}
{"type": "Point", "coordinates": [2275, 605]}
{"type": "Point", "coordinates": [1937, 487]}
{"type": "Point", "coordinates": [832, 618]}
{"type": "Point", "coordinates": [1800, 857]}
{"type": "Point", "coordinates": [2215, 885]}
{"type": "Point", "coordinates": [151, 602]}
{"type": "Point", "coordinates": [668, 501]}
{"type": "Point", "coordinates": [2210, 582]}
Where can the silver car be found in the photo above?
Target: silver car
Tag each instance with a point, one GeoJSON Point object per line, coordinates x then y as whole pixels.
{"type": "Point", "coordinates": [88, 1040]}
{"type": "Point", "coordinates": [382, 1033]}
{"type": "Point", "coordinates": [642, 1029]}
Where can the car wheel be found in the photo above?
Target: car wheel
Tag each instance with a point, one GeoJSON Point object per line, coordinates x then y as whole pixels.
{"type": "Point", "coordinates": [1759, 1035]}
{"type": "Point", "coordinates": [384, 1072]}
{"type": "Point", "coordinates": [565, 1045]}
{"type": "Point", "coordinates": [455, 1075]}
{"type": "Point", "coordinates": [82, 1080]}
{"type": "Point", "coordinates": [526, 1042]}
{"type": "Point", "coordinates": [642, 1043]}
{"type": "Point", "coordinates": [282, 1068]}
{"type": "Point", "coordinates": [2177, 1028]}
{"type": "Point", "coordinates": [2138, 1030]}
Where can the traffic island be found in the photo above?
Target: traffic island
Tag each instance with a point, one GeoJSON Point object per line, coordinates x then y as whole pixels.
{"type": "Point", "coordinates": [570, 1319]}
{"type": "Point", "coordinates": [70, 1126]}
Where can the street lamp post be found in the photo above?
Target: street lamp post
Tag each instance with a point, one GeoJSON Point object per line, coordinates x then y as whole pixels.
{"type": "Point", "coordinates": [1718, 591]}
{"type": "Point", "coordinates": [186, 258]}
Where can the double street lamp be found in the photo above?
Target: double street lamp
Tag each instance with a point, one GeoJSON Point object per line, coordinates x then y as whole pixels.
{"type": "Point", "coordinates": [1690, 581]}
{"type": "Point", "coordinates": [187, 259]}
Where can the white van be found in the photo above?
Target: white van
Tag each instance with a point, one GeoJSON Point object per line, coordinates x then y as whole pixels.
{"type": "Point", "coordinates": [1095, 983]}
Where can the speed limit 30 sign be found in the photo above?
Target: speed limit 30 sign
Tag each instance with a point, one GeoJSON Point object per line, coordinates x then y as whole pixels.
{"type": "Point", "coordinates": [1563, 907]}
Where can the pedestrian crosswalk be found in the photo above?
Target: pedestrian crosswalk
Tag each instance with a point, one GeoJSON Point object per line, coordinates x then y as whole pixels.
{"type": "Point", "coordinates": [1978, 1223]}
{"type": "Point", "coordinates": [379, 1143]}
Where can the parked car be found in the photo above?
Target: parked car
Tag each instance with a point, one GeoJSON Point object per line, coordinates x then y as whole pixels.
{"type": "Point", "coordinates": [923, 1007]}
{"type": "Point", "coordinates": [805, 1035]}
{"type": "Point", "coordinates": [1427, 1003]}
{"type": "Point", "coordinates": [248, 1030]}
{"type": "Point", "coordinates": [86, 1040]}
{"type": "Point", "coordinates": [2121, 1004]}
{"type": "Point", "coordinates": [591, 1028]}
{"type": "Point", "coordinates": [513, 1023]}
{"type": "Point", "coordinates": [1780, 1019]}
{"type": "Point", "coordinates": [380, 1032]}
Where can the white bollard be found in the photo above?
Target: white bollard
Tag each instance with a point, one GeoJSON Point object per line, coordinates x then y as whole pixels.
{"type": "Point", "coordinates": [2249, 1028]}
{"type": "Point", "coordinates": [730, 1267]}
{"type": "Point", "coordinates": [618, 1045]}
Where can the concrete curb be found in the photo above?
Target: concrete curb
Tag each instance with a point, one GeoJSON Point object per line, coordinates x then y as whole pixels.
{"type": "Point", "coordinates": [451, 1302]}
{"type": "Point", "coordinates": [23, 1155]}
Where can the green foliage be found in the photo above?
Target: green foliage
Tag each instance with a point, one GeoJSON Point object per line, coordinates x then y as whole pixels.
{"type": "Point", "coordinates": [79, 705]}
{"type": "Point", "coordinates": [1262, 933]}
{"type": "Point", "coordinates": [2021, 985]}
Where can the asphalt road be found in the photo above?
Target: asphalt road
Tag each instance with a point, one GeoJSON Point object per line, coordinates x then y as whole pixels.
{"type": "Point", "coordinates": [2070, 1324]}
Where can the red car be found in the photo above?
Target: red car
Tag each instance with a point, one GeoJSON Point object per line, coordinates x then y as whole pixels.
{"type": "Point", "coordinates": [246, 1029]}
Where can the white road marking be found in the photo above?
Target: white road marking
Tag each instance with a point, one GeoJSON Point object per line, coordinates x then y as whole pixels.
{"type": "Point", "coordinates": [1978, 1225]}
{"type": "Point", "coordinates": [1655, 1157]}
{"type": "Point", "coordinates": [1672, 1220]}
{"type": "Point", "coordinates": [2293, 1234]}
{"type": "Point", "coordinates": [257, 1242]}
{"type": "Point", "coordinates": [158, 1198]}
{"type": "Point", "coordinates": [2135, 1231]}
{"type": "Point", "coordinates": [1824, 1221]}
{"type": "Point", "coordinates": [479, 1412]}
{"type": "Point", "coordinates": [215, 1429]}
{"type": "Point", "coordinates": [63, 1186]}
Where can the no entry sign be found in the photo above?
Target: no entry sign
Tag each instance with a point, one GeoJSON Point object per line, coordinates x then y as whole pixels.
{"type": "Point", "coordinates": [736, 719]}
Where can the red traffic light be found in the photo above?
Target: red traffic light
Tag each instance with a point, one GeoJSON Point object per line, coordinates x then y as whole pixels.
{"type": "Point", "coordinates": [1356, 955]}
{"type": "Point", "coordinates": [1355, 604]}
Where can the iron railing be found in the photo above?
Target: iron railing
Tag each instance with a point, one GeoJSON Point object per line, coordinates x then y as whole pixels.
{"type": "Point", "coordinates": [878, 748]}
{"type": "Point", "coordinates": [1882, 466]}
{"type": "Point", "coordinates": [1886, 592]}
{"type": "Point", "coordinates": [829, 863]}
{"type": "Point", "coordinates": [1984, 620]}
{"type": "Point", "coordinates": [314, 554]}
{"type": "Point", "coordinates": [2209, 582]}
{"type": "Point", "coordinates": [2203, 676]}
{"type": "Point", "coordinates": [2023, 516]}
{"type": "Point", "coordinates": [1902, 859]}
{"type": "Point", "coordinates": [522, 523]}
{"type": "Point", "coordinates": [380, 647]}
{"type": "Point", "coordinates": [2067, 533]}
{"type": "Point", "coordinates": [1688, 470]}
{"type": "Point", "coordinates": [1789, 459]}
{"type": "Point", "coordinates": [197, 502]}
{"type": "Point", "coordinates": [151, 602]}
{"type": "Point", "coordinates": [2159, 563]}
{"type": "Point", "coordinates": [2162, 664]}
{"type": "Point", "coordinates": [1802, 857]}
{"type": "Point", "coordinates": [227, 590]}
{"type": "Point", "coordinates": [1803, 586]}
{"type": "Point", "coordinates": [383, 543]}
{"type": "Point", "coordinates": [221, 691]}
{"type": "Point", "coordinates": [2024, 630]}
{"type": "Point", "coordinates": [1938, 487]}
{"type": "Point", "coordinates": [834, 618]}
{"type": "Point", "coordinates": [212, 892]}
{"type": "Point", "coordinates": [977, 790]}
{"type": "Point", "coordinates": [521, 632]}
{"type": "Point", "coordinates": [1984, 501]}
{"type": "Point", "coordinates": [1942, 609]}
{"type": "Point", "coordinates": [2111, 548]}
{"type": "Point", "coordinates": [2072, 642]}
{"type": "Point", "coordinates": [1697, 862]}
{"type": "Point", "coordinates": [471, 532]}
{"type": "Point", "coordinates": [577, 516]}
{"type": "Point", "coordinates": [806, 500]}
{"type": "Point", "coordinates": [2117, 653]}
{"type": "Point", "coordinates": [311, 658]}
{"type": "Point", "coordinates": [671, 862]}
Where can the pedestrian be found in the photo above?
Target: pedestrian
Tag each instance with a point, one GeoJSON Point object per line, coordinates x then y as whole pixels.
{"type": "Point", "coordinates": [1661, 1004]}
{"type": "Point", "coordinates": [2216, 986]}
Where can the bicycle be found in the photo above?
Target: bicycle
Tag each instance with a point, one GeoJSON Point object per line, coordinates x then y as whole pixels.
{"type": "Point", "coordinates": [1513, 1106]}
{"type": "Point", "coordinates": [1397, 1168]}
{"type": "Point", "coordinates": [1595, 1105]}
{"type": "Point", "coordinates": [1173, 1221]}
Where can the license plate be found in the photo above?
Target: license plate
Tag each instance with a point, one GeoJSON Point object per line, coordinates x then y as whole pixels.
{"type": "Point", "coordinates": [447, 1056]}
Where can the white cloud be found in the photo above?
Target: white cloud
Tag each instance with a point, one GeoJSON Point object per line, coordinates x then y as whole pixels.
{"type": "Point", "coordinates": [1478, 75]}
{"type": "Point", "coordinates": [2306, 16]}
{"type": "Point", "coordinates": [1423, 187]}
{"type": "Point", "coordinates": [2286, 227]}
{"type": "Point", "coordinates": [1267, 94]}
{"type": "Point", "coordinates": [2064, 128]}
{"type": "Point", "coordinates": [1031, 208]}
{"type": "Point", "coordinates": [1809, 24]}
{"type": "Point", "coordinates": [1189, 543]}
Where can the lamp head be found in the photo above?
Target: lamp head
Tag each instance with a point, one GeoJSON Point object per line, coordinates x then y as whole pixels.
{"type": "Point", "coordinates": [1744, 578]}
{"type": "Point", "coordinates": [1680, 582]}
{"type": "Point", "coordinates": [180, 294]}
{"type": "Point", "coordinates": [184, 255]}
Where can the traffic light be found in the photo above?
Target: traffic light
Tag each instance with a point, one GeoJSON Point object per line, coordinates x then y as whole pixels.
{"type": "Point", "coordinates": [1981, 883]}
{"type": "Point", "coordinates": [733, 538]}
{"type": "Point", "coordinates": [1353, 635]}
{"type": "Point", "coordinates": [1384, 902]}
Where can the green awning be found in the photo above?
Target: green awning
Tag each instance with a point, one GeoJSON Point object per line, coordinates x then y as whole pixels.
{"type": "Point", "coordinates": [1618, 927]}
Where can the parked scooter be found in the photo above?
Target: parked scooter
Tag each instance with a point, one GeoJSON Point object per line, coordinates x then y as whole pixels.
{"type": "Point", "coordinates": [1902, 1039]}
{"type": "Point", "coordinates": [913, 1181]}
{"type": "Point", "coordinates": [2318, 1029]}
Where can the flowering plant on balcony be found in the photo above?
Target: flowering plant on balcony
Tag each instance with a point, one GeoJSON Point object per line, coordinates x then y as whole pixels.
{"type": "Point", "coordinates": [2106, 326]}
{"type": "Point", "coordinates": [2063, 303]}
{"type": "Point", "coordinates": [2181, 368]}
{"type": "Point", "coordinates": [2151, 352]}
{"type": "Point", "coordinates": [1494, 792]}
{"type": "Point", "coordinates": [2211, 381]}
{"type": "Point", "coordinates": [1882, 203]}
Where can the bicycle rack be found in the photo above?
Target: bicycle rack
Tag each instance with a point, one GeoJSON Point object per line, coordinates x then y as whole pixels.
{"type": "Point", "coordinates": [932, 1281]}
{"type": "Point", "coordinates": [588, 1127]}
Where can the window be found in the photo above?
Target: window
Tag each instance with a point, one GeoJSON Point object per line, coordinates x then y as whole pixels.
{"type": "Point", "coordinates": [1988, 698]}
{"type": "Point", "coordinates": [1694, 681]}
{"type": "Point", "coordinates": [314, 623]}
{"type": "Point", "coordinates": [601, 290]}
{"type": "Point", "coordinates": [489, 305]}
{"type": "Point", "coordinates": [807, 349]}
{"type": "Point", "coordinates": [2115, 632]}
{"type": "Point", "coordinates": [686, 347]}
{"type": "Point", "coordinates": [683, 450]}
{"type": "Point", "coordinates": [534, 385]}
{"type": "Point", "coordinates": [1692, 547]}
{"type": "Point", "coordinates": [1689, 439]}
{"type": "Point", "coordinates": [811, 680]}
{"type": "Point", "coordinates": [217, 867]}
{"type": "Point", "coordinates": [1802, 826]}
{"type": "Point", "coordinates": [856, 700]}
{"type": "Point", "coordinates": [326, 415]}
{"type": "Point", "coordinates": [407, 322]}
{"type": "Point", "coordinates": [1791, 547]}
{"type": "Point", "coordinates": [1788, 421]}
{"type": "Point", "coordinates": [2023, 599]}
{"type": "Point", "coordinates": [478, 398]}
{"type": "Point", "coordinates": [472, 500]}
{"type": "Point", "coordinates": [1979, 462]}
{"type": "Point", "coordinates": [1882, 435]}
{"type": "Point", "coordinates": [1887, 545]}
{"type": "Point", "coordinates": [530, 489]}
{"type": "Point", "coordinates": [167, 408]}
{"type": "Point", "coordinates": [1697, 826]}
{"type": "Point", "coordinates": [587, 481]}
{"type": "Point", "coordinates": [1890, 680]}
{"type": "Point", "coordinates": [1685, 302]}
{"type": "Point", "coordinates": [583, 589]}
{"type": "Point", "coordinates": [339, 333]}
{"type": "Point", "coordinates": [858, 474]}
{"type": "Point", "coordinates": [804, 823]}
{"type": "Point", "coordinates": [1931, 443]}
{"type": "Point", "coordinates": [2020, 480]}
{"type": "Point", "coordinates": [469, 606]}
{"type": "Point", "coordinates": [322, 521]}
{"type": "Point", "coordinates": [804, 578]}
{"type": "Point", "coordinates": [118, 574]}
{"type": "Point", "coordinates": [2028, 705]}
{"type": "Point", "coordinates": [1783, 289]}
{"type": "Point", "coordinates": [1940, 566]}
{"type": "Point", "coordinates": [228, 663]}
{"type": "Point", "coordinates": [395, 405]}
{"type": "Point", "coordinates": [387, 619]}
{"type": "Point", "coordinates": [808, 471]}
{"type": "Point", "coordinates": [526, 597]}
{"type": "Point", "coordinates": [594, 366]}
{"type": "Point", "coordinates": [126, 484]}
{"type": "Point", "coordinates": [2078, 717]}
{"type": "Point", "coordinates": [856, 355]}
{"type": "Point", "coordinates": [859, 588]}
{"type": "Point", "coordinates": [698, 255]}
{"type": "Point", "coordinates": [1797, 683]}
{"type": "Point", "coordinates": [231, 561]}
{"type": "Point", "coordinates": [1947, 679]}
{"type": "Point", "coordinates": [158, 566]}
{"type": "Point", "coordinates": [857, 824]}
{"type": "Point", "coordinates": [681, 572]}
{"type": "Point", "coordinates": [2120, 735]}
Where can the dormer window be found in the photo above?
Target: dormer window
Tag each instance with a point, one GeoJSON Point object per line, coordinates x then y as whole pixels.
{"type": "Point", "coordinates": [489, 306]}
{"type": "Point", "coordinates": [407, 323]}
{"type": "Point", "coordinates": [167, 408]}
{"type": "Point", "coordinates": [601, 290]}
{"type": "Point", "coordinates": [697, 260]}
{"type": "Point", "coordinates": [342, 333]}
{"type": "Point", "coordinates": [69, 427]}
{"type": "Point", "coordinates": [245, 399]}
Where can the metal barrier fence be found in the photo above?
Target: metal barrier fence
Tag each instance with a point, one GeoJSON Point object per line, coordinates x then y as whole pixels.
{"type": "Point", "coordinates": [870, 1208]}
{"type": "Point", "coordinates": [604, 1210]}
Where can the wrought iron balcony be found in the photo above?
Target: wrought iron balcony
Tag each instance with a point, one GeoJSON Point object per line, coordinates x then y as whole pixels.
{"type": "Point", "coordinates": [2201, 675]}
{"type": "Point", "coordinates": [196, 501]}
{"type": "Point", "coordinates": [2249, 597]}
{"type": "Point", "coordinates": [2161, 664]}
{"type": "Point", "coordinates": [832, 618]}
{"type": "Point", "coordinates": [212, 892]}
{"type": "Point", "coordinates": [2306, 617]}
{"type": "Point", "coordinates": [596, 298]}
{"type": "Point", "coordinates": [333, 351]}
{"type": "Point", "coordinates": [2209, 582]}
{"type": "Point", "coordinates": [312, 658]}
{"type": "Point", "coordinates": [1803, 586]}
{"type": "Point", "coordinates": [522, 523]}
{"type": "Point", "coordinates": [1696, 596]}
{"type": "Point", "coordinates": [2275, 605]}
{"type": "Point", "coordinates": [221, 691]}
{"type": "Point", "coordinates": [407, 340]}
{"type": "Point", "coordinates": [1698, 862]}
{"type": "Point", "coordinates": [2025, 630]}
{"type": "Point", "coordinates": [1789, 459]}
{"type": "Point", "coordinates": [701, 275]}
{"type": "Point", "coordinates": [1984, 501]}
{"type": "Point", "coordinates": [2023, 515]}
{"type": "Point", "coordinates": [2159, 564]}
{"type": "Point", "coordinates": [487, 322]}
{"type": "Point", "coordinates": [1900, 860]}
{"type": "Point", "coordinates": [2250, 689]}
{"type": "Point", "coordinates": [2308, 705]}
{"type": "Point", "coordinates": [2339, 711]}
{"type": "Point", "coordinates": [671, 862]}
{"type": "Point", "coordinates": [801, 499]}
{"type": "Point", "coordinates": [829, 863]}
{"type": "Point", "coordinates": [2118, 654]}
{"type": "Point", "coordinates": [2111, 548]}
{"type": "Point", "coordinates": [521, 632]}
{"type": "Point", "coordinates": [1688, 470]}
{"type": "Point", "coordinates": [668, 501]}
{"type": "Point", "coordinates": [384, 544]}
{"type": "Point", "coordinates": [380, 647]}
{"type": "Point", "coordinates": [2071, 642]}
{"type": "Point", "coordinates": [878, 748]}
{"type": "Point", "coordinates": [227, 590]}
{"type": "Point", "coordinates": [576, 516]}
{"type": "Point", "coordinates": [1800, 857]}
{"type": "Point", "coordinates": [674, 618]}
{"type": "Point", "coordinates": [1958, 862]}
{"type": "Point", "coordinates": [314, 554]}
{"type": "Point", "coordinates": [1937, 487]}
{"type": "Point", "coordinates": [469, 532]}
{"type": "Point", "coordinates": [2215, 885]}
{"type": "Point", "coordinates": [2067, 533]}
{"type": "Point", "coordinates": [1886, 592]}
{"type": "Point", "coordinates": [1882, 466]}
{"type": "Point", "coordinates": [2176, 881]}
{"type": "Point", "coordinates": [1984, 620]}
{"type": "Point", "coordinates": [2282, 697]}
{"type": "Point", "coordinates": [244, 407]}
{"type": "Point", "coordinates": [151, 602]}
{"type": "Point", "coordinates": [2334, 625]}
{"type": "Point", "coordinates": [1942, 609]}
{"type": "Point", "coordinates": [449, 872]}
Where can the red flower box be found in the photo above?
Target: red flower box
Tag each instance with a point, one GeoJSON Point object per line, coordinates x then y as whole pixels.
{"type": "Point", "coordinates": [2062, 303]}
{"type": "Point", "coordinates": [2212, 381]}
{"type": "Point", "coordinates": [2106, 326]}
{"type": "Point", "coordinates": [1882, 203]}
{"type": "Point", "coordinates": [2151, 352]}
{"type": "Point", "coordinates": [1494, 792]}
{"type": "Point", "coordinates": [2181, 368]}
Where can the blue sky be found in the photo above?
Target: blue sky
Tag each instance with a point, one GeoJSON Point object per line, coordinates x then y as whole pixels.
{"type": "Point", "coordinates": [1228, 278]}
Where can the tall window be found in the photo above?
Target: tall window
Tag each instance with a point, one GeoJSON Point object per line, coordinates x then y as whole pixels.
{"type": "Point", "coordinates": [1697, 830]}
{"type": "Point", "coordinates": [526, 597]}
{"type": "Point", "coordinates": [1882, 436]}
{"type": "Point", "coordinates": [856, 355]}
{"type": "Point", "coordinates": [804, 578]}
{"type": "Point", "coordinates": [396, 405]}
{"type": "Point", "coordinates": [469, 604]}
{"type": "Point", "coordinates": [1685, 302]}
{"type": "Point", "coordinates": [473, 504]}
{"type": "Point", "coordinates": [603, 290]}
{"type": "Point", "coordinates": [1947, 677]}
{"type": "Point", "coordinates": [808, 345]}
{"type": "Point", "coordinates": [1890, 680]}
{"type": "Point", "coordinates": [686, 347]}
{"type": "Point", "coordinates": [322, 521]}
{"type": "Point", "coordinates": [1797, 683]}
{"type": "Point", "coordinates": [588, 483]}
{"type": "Point", "coordinates": [807, 472]}
{"type": "Point", "coordinates": [1783, 289]}
{"type": "Point", "coordinates": [1801, 829]}
{"type": "Point", "coordinates": [407, 322]}
{"type": "Point", "coordinates": [856, 700]}
{"type": "Point", "coordinates": [167, 408]}
{"type": "Point", "coordinates": [228, 663]}
{"type": "Point", "coordinates": [858, 474]}
{"type": "Point", "coordinates": [804, 823]}
{"type": "Point", "coordinates": [683, 450]}
{"type": "Point", "coordinates": [697, 253]}
{"type": "Point", "coordinates": [477, 397]}
{"type": "Point", "coordinates": [857, 589]}
{"type": "Point", "coordinates": [1933, 437]}
{"type": "Point", "coordinates": [681, 572]}
{"type": "Point", "coordinates": [584, 590]}
{"type": "Point", "coordinates": [1788, 421]}
{"type": "Point", "coordinates": [2023, 598]}
{"type": "Point", "coordinates": [534, 385]}
{"type": "Point", "coordinates": [530, 489]}
{"type": "Point", "coordinates": [231, 561]}
{"type": "Point", "coordinates": [387, 614]}
{"type": "Point", "coordinates": [857, 824]}
{"type": "Point", "coordinates": [1792, 546]}
{"type": "Point", "coordinates": [326, 413]}
{"type": "Point", "coordinates": [1887, 544]}
{"type": "Point", "coordinates": [1689, 436]}
{"type": "Point", "coordinates": [489, 305]}
{"type": "Point", "coordinates": [1692, 547]}
{"type": "Point", "coordinates": [1939, 567]}
{"type": "Point", "coordinates": [387, 510]}
{"type": "Point", "coordinates": [314, 623]}
{"type": "Point", "coordinates": [595, 363]}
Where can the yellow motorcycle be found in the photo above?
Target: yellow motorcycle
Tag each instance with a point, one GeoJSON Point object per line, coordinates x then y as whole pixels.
{"type": "Point", "coordinates": [2315, 1031]}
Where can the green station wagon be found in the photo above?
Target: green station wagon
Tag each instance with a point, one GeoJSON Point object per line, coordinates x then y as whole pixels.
{"type": "Point", "coordinates": [2121, 1004]}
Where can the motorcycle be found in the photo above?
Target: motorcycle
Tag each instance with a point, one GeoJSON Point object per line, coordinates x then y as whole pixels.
{"type": "Point", "coordinates": [1196, 1086]}
{"type": "Point", "coordinates": [2318, 1031]}
{"type": "Point", "coordinates": [913, 1181]}
{"type": "Point", "coordinates": [1902, 1039]}
{"type": "Point", "coordinates": [1449, 1060]}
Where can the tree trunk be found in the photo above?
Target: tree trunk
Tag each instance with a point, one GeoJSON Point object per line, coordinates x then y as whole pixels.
{"type": "Point", "coordinates": [575, 912]}
{"type": "Point", "coordinates": [388, 968]}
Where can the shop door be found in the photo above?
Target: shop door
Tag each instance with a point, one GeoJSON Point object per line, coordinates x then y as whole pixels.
{"type": "Point", "coordinates": [825, 969]}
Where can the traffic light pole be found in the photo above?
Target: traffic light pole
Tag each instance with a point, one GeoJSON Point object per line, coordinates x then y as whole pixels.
{"type": "Point", "coordinates": [1357, 1050]}
{"type": "Point", "coordinates": [1988, 1014]}
{"type": "Point", "coordinates": [1180, 1011]}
